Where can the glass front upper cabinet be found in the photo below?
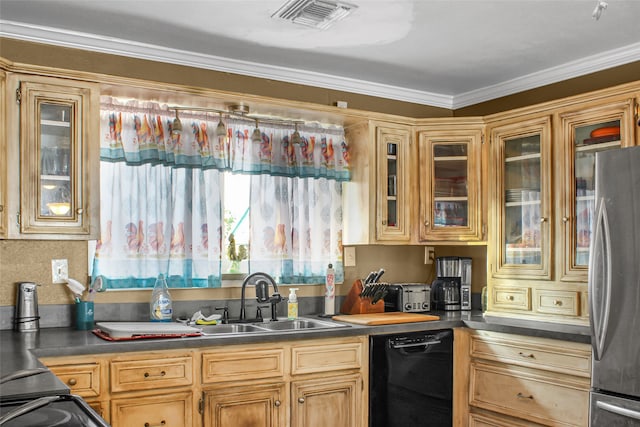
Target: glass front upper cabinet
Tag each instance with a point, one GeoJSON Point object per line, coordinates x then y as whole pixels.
{"type": "Point", "coordinates": [586, 133]}
{"type": "Point", "coordinates": [54, 151]}
{"type": "Point", "coordinates": [521, 200]}
{"type": "Point", "coordinates": [450, 184]}
{"type": "Point", "coordinates": [393, 209]}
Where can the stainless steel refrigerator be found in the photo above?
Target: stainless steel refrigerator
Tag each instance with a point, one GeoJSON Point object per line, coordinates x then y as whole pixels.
{"type": "Point", "coordinates": [614, 290]}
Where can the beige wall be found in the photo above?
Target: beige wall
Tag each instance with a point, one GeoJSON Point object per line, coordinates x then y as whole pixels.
{"type": "Point", "coordinates": [30, 260]}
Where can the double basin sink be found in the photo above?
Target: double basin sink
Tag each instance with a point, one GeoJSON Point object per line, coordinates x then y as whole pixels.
{"type": "Point", "coordinates": [278, 326]}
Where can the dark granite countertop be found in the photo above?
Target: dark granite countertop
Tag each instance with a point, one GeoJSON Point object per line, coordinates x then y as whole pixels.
{"type": "Point", "coordinates": [22, 350]}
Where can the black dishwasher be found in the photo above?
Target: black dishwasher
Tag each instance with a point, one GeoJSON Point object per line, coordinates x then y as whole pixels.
{"type": "Point", "coordinates": [411, 379]}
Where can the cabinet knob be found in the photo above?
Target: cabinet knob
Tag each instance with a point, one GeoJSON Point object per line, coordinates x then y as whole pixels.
{"type": "Point", "coordinates": [543, 219]}
{"type": "Point", "coordinates": [557, 302]}
{"type": "Point", "coordinates": [277, 403]}
{"type": "Point", "coordinates": [1, 208]}
{"type": "Point", "coordinates": [72, 381]}
{"type": "Point", "coordinates": [510, 297]}
{"type": "Point", "coordinates": [79, 211]}
{"type": "Point", "coordinates": [426, 223]}
{"type": "Point", "coordinates": [384, 222]}
{"type": "Point", "coordinates": [565, 219]}
{"type": "Point", "coordinates": [301, 399]}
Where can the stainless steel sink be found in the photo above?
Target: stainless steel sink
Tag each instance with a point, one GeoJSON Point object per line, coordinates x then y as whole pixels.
{"type": "Point", "coordinates": [297, 324]}
{"type": "Point", "coordinates": [279, 326]}
{"type": "Point", "coordinates": [232, 328]}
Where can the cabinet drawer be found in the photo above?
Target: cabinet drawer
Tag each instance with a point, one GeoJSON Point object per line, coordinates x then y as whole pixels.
{"type": "Point", "coordinates": [82, 379]}
{"type": "Point", "coordinates": [321, 358]}
{"type": "Point", "coordinates": [242, 365]}
{"type": "Point", "coordinates": [547, 399]}
{"type": "Point", "coordinates": [168, 410]}
{"type": "Point", "coordinates": [540, 353]}
{"type": "Point", "coordinates": [511, 298]}
{"type": "Point", "coordinates": [150, 374]}
{"type": "Point", "coordinates": [556, 302]}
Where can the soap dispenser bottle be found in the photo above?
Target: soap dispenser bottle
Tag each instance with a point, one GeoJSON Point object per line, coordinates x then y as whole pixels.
{"type": "Point", "coordinates": [161, 308]}
{"type": "Point", "coordinates": [292, 305]}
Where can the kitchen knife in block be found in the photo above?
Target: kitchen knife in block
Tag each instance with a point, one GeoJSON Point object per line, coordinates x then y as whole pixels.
{"type": "Point", "coordinates": [355, 304]}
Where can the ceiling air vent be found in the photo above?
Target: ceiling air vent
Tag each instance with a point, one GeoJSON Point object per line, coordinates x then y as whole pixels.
{"type": "Point", "coordinates": [314, 13]}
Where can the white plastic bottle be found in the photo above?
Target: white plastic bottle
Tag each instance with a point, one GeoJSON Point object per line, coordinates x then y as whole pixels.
{"type": "Point", "coordinates": [160, 306]}
{"type": "Point", "coordinates": [330, 292]}
{"type": "Point", "coordinates": [292, 304]}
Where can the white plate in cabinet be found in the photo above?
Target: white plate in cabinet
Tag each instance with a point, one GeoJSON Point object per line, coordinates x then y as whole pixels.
{"type": "Point", "coordinates": [549, 399]}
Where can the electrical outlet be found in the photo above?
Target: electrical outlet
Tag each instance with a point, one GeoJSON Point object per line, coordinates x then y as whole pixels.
{"type": "Point", "coordinates": [59, 270]}
{"type": "Point", "coordinates": [429, 254]}
{"type": "Point", "coordinates": [349, 256]}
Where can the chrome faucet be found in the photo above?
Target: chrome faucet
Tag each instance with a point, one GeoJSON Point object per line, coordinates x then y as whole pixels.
{"type": "Point", "coordinates": [262, 292]}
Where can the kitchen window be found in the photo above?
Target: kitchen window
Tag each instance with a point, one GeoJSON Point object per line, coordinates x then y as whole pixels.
{"type": "Point", "coordinates": [171, 201]}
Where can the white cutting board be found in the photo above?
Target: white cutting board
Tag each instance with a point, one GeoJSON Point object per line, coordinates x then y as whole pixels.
{"type": "Point", "coordinates": [130, 329]}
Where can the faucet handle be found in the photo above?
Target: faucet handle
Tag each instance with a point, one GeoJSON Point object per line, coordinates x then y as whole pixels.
{"type": "Point", "coordinates": [225, 314]}
{"type": "Point", "coordinates": [259, 312]}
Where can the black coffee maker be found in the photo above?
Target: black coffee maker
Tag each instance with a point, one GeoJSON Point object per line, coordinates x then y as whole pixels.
{"type": "Point", "coordinates": [445, 290]}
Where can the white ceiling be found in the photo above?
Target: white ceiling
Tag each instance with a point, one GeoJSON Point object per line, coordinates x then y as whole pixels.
{"type": "Point", "coordinates": [446, 53]}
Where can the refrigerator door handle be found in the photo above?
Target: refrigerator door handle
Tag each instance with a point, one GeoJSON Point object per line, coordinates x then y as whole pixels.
{"type": "Point", "coordinates": [600, 314]}
{"type": "Point", "coordinates": [618, 410]}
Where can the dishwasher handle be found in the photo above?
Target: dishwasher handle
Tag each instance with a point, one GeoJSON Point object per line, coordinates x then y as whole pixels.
{"type": "Point", "coordinates": [415, 344]}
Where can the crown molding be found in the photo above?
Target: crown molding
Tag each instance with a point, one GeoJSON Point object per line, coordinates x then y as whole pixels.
{"type": "Point", "coordinates": [568, 70]}
{"type": "Point", "coordinates": [116, 46]}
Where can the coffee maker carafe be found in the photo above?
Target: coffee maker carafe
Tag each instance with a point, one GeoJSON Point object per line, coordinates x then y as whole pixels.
{"type": "Point", "coordinates": [446, 288]}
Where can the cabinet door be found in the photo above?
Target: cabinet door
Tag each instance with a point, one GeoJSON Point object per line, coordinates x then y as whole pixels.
{"type": "Point", "coordinates": [393, 184]}
{"type": "Point", "coordinates": [255, 406]}
{"type": "Point", "coordinates": [520, 200]}
{"type": "Point", "coordinates": [163, 410]}
{"type": "Point", "coordinates": [329, 401]}
{"type": "Point", "coordinates": [585, 133]}
{"type": "Point", "coordinates": [57, 130]}
{"type": "Point", "coordinates": [450, 183]}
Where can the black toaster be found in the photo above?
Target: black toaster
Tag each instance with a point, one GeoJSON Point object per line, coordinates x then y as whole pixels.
{"type": "Point", "coordinates": [408, 297]}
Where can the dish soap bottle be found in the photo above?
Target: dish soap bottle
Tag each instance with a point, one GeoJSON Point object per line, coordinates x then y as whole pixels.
{"type": "Point", "coordinates": [161, 309]}
{"type": "Point", "coordinates": [292, 305]}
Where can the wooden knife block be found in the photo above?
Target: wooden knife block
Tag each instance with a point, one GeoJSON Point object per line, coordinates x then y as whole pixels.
{"type": "Point", "coordinates": [355, 304]}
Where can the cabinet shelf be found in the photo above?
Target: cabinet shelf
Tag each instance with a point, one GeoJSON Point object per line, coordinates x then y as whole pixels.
{"type": "Point", "coordinates": [524, 203]}
{"type": "Point", "coordinates": [55, 123]}
{"type": "Point", "coordinates": [523, 249]}
{"type": "Point", "coordinates": [598, 147]}
{"type": "Point", "coordinates": [55, 177]}
{"type": "Point", "coordinates": [522, 157]}
{"type": "Point", "coordinates": [451, 199]}
{"type": "Point", "coordinates": [450, 159]}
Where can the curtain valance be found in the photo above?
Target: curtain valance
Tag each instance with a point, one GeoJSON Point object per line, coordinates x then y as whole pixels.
{"type": "Point", "coordinates": [141, 133]}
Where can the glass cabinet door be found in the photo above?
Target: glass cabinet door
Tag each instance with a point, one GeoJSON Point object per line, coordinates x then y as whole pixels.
{"type": "Point", "coordinates": [392, 221]}
{"type": "Point", "coordinates": [450, 185]}
{"type": "Point", "coordinates": [3, 161]}
{"type": "Point", "coordinates": [54, 154]}
{"type": "Point", "coordinates": [521, 200]}
{"type": "Point", "coordinates": [585, 134]}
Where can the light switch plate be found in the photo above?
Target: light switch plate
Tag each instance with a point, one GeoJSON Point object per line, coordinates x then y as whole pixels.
{"type": "Point", "coordinates": [59, 270]}
{"type": "Point", "coordinates": [349, 256]}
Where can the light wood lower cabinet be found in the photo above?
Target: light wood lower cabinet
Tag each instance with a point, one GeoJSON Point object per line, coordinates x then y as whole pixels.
{"type": "Point", "coordinates": [517, 380]}
{"type": "Point", "coordinates": [245, 405]}
{"type": "Point", "coordinates": [327, 401]}
{"type": "Point", "coordinates": [309, 383]}
{"type": "Point", "coordinates": [160, 410]}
